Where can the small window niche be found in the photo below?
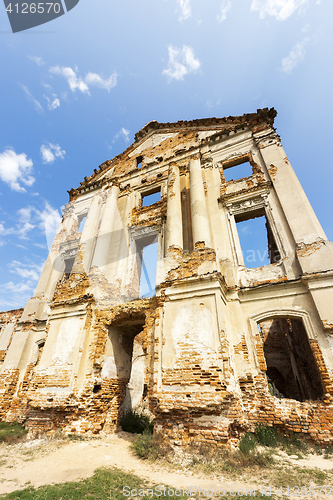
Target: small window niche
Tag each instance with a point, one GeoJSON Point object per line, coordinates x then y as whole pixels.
{"type": "Point", "coordinates": [69, 263]}
{"type": "Point", "coordinates": [82, 221]}
{"type": "Point", "coordinates": [256, 239]}
{"type": "Point", "coordinates": [139, 160]}
{"type": "Point", "coordinates": [237, 169]}
{"type": "Point", "coordinates": [151, 197]}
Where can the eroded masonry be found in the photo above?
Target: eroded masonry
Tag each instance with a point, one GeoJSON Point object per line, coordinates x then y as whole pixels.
{"type": "Point", "coordinates": [151, 295]}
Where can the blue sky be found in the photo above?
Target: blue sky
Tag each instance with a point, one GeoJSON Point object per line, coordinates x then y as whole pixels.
{"type": "Point", "coordinates": [74, 91]}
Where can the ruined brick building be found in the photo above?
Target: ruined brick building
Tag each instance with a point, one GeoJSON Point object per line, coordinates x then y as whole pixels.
{"type": "Point", "coordinates": [219, 344]}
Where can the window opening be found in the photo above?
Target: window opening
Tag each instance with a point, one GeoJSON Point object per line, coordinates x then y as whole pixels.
{"type": "Point", "coordinates": [82, 221]}
{"type": "Point", "coordinates": [151, 198]}
{"type": "Point", "coordinates": [69, 263]}
{"type": "Point", "coordinates": [40, 345]}
{"type": "Point", "coordinates": [292, 371]}
{"type": "Point", "coordinates": [148, 270]}
{"type": "Point", "coordinates": [256, 239]}
{"type": "Point", "coordinates": [238, 170]}
{"type": "Point", "coordinates": [139, 161]}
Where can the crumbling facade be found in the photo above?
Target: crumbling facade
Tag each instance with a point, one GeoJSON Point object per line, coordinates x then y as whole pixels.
{"type": "Point", "coordinates": [219, 344]}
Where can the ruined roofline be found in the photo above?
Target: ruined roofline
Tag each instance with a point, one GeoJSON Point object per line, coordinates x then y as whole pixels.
{"type": "Point", "coordinates": [12, 312]}
{"type": "Point", "coordinates": [264, 115]}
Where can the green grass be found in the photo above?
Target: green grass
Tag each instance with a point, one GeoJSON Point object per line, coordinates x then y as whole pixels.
{"type": "Point", "coordinates": [270, 437]}
{"type": "Point", "coordinates": [136, 423]}
{"type": "Point", "coordinates": [105, 484]}
{"type": "Point", "coordinates": [76, 437]}
{"type": "Point", "coordinates": [247, 444]}
{"type": "Point", "coordinates": [151, 447]}
{"type": "Point", "coordinates": [266, 436]}
{"type": "Point", "coordinates": [11, 432]}
{"type": "Point", "coordinates": [297, 476]}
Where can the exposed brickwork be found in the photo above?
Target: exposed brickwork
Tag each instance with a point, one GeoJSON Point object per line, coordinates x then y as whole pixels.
{"type": "Point", "coordinates": [88, 345]}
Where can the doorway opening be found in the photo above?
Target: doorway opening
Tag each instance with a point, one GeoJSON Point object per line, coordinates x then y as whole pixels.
{"type": "Point", "coordinates": [292, 371]}
{"type": "Point", "coordinates": [126, 343]}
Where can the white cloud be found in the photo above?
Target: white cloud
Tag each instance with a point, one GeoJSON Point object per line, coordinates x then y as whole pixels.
{"type": "Point", "coordinates": [25, 214]}
{"type": "Point", "coordinates": [281, 9]}
{"type": "Point", "coordinates": [75, 82]}
{"type": "Point", "coordinates": [16, 168]}
{"type": "Point", "coordinates": [31, 98]}
{"type": "Point", "coordinates": [30, 271]}
{"type": "Point", "coordinates": [18, 287]}
{"type": "Point", "coordinates": [24, 225]}
{"type": "Point", "coordinates": [225, 7]}
{"type": "Point", "coordinates": [51, 152]}
{"type": "Point", "coordinates": [5, 232]}
{"type": "Point", "coordinates": [306, 28]}
{"type": "Point", "coordinates": [122, 132]}
{"type": "Point", "coordinates": [38, 60]}
{"type": "Point", "coordinates": [30, 217]}
{"type": "Point", "coordinates": [52, 104]}
{"type": "Point", "coordinates": [181, 62]}
{"type": "Point", "coordinates": [49, 220]}
{"type": "Point", "coordinates": [295, 56]}
{"type": "Point", "coordinates": [185, 9]}
{"type": "Point", "coordinates": [23, 229]}
{"type": "Point", "coordinates": [95, 79]}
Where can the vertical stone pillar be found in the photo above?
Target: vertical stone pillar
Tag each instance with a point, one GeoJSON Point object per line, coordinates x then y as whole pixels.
{"type": "Point", "coordinates": [68, 226]}
{"type": "Point", "coordinates": [102, 252]}
{"type": "Point", "coordinates": [313, 251]}
{"type": "Point", "coordinates": [199, 214]}
{"type": "Point", "coordinates": [174, 223]}
{"type": "Point", "coordinates": [300, 215]}
{"type": "Point", "coordinates": [52, 272]}
{"type": "Point", "coordinates": [90, 229]}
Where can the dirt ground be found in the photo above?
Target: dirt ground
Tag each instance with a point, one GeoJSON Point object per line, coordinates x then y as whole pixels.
{"type": "Point", "coordinates": [41, 461]}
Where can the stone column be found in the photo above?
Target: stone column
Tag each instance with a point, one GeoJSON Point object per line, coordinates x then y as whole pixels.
{"type": "Point", "coordinates": [313, 251]}
{"type": "Point", "coordinates": [102, 252]}
{"type": "Point", "coordinates": [90, 229]}
{"type": "Point", "coordinates": [199, 215]}
{"type": "Point", "coordinates": [52, 272]}
{"type": "Point", "coordinates": [174, 223]}
{"type": "Point", "coordinates": [66, 228]}
{"type": "Point", "coordinates": [298, 211]}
